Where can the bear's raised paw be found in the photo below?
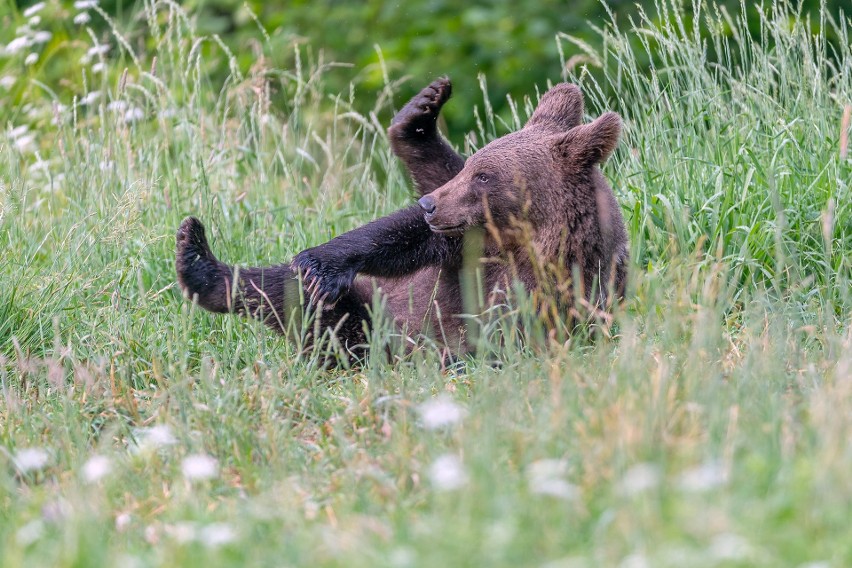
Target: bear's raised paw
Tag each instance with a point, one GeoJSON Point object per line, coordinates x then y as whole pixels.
{"type": "Point", "coordinates": [419, 116]}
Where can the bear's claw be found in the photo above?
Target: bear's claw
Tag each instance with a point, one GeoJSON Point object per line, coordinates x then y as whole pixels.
{"type": "Point", "coordinates": [323, 279]}
{"type": "Point", "coordinates": [419, 116]}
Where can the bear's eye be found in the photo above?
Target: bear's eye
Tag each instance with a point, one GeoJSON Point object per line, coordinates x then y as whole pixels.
{"type": "Point", "coordinates": [482, 178]}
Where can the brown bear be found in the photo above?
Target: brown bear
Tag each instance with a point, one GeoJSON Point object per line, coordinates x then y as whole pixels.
{"type": "Point", "coordinates": [541, 209]}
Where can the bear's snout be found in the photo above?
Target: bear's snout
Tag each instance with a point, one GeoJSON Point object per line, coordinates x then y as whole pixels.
{"type": "Point", "coordinates": [427, 202]}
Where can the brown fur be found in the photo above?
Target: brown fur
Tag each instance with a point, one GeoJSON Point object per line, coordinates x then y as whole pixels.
{"type": "Point", "coordinates": [536, 197]}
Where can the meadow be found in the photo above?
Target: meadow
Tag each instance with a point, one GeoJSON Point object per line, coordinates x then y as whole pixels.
{"type": "Point", "coordinates": [709, 425]}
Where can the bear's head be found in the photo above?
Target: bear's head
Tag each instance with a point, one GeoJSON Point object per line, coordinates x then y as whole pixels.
{"type": "Point", "coordinates": [534, 175]}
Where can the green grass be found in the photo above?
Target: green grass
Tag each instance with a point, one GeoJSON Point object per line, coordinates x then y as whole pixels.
{"type": "Point", "coordinates": [712, 428]}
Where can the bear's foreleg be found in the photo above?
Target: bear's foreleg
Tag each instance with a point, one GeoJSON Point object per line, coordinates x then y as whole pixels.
{"type": "Point", "coordinates": [393, 246]}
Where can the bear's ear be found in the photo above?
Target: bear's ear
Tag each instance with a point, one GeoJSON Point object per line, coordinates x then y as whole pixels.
{"type": "Point", "coordinates": [589, 144]}
{"type": "Point", "coordinates": [560, 109]}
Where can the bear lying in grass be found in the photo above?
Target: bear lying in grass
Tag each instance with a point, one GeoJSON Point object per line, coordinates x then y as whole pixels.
{"type": "Point", "coordinates": [543, 212]}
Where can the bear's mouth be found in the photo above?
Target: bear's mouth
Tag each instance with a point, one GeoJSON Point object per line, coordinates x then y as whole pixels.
{"type": "Point", "coordinates": [448, 230]}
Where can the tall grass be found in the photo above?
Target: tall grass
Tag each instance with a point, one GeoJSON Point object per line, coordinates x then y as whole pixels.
{"type": "Point", "coordinates": [711, 429]}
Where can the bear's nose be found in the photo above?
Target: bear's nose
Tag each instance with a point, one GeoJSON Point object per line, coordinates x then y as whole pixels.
{"type": "Point", "coordinates": [428, 204]}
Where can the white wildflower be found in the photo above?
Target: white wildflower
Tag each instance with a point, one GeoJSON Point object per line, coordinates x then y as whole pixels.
{"type": "Point", "coordinates": [96, 468]}
{"type": "Point", "coordinates": [117, 106]}
{"type": "Point", "coordinates": [31, 59]}
{"type": "Point", "coordinates": [8, 81]}
{"type": "Point", "coordinates": [90, 98]}
{"type": "Point", "coordinates": [154, 437]}
{"type": "Point", "coordinates": [34, 9]}
{"type": "Point", "coordinates": [447, 473]}
{"type": "Point", "coordinates": [98, 67]}
{"type": "Point", "coordinates": [440, 412]}
{"type": "Point", "coordinates": [547, 477]}
{"type": "Point", "coordinates": [39, 166]}
{"type": "Point", "coordinates": [31, 459]}
{"type": "Point", "coordinates": [182, 532]}
{"type": "Point", "coordinates": [217, 534]}
{"type": "Point", "coordinates": [133, 114]}
{"type": "Point", "coordinates": [17, 45]}
{"type": "Point", "coordinates": [199, 467]}
{"type": "Point", "coordinates": [42, 37]}
{"type": "Point", "coordinates": [98, 49]}
{"type": "Point", "coordinates": [29, 533]}
{"type": "Point", "coordinates": [122, 521]}
{"type": "Point", "coordinates": [25, 144]}
{"type": "Point", "coordinates": [85, 4]}
{"type": "Point", "coordinates": [18, 131]}
{"type": "Point", "coordinates": [635, 560]}
{"type": "Point", "coordinates": [105, 165]}
{"type": "Point", "coordinates": [34, 21]}
{"type": "Point", "coordinates": [82, 18]}
{"type": "Point", "coordinates": [729, 546]}
{"type": "Point", "coordinates": [703, 478]}
{"type": "Point", "coordinates": [639, 478]}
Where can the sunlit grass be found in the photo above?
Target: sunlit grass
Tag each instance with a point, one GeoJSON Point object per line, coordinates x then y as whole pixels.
{"type": "Point", "coordinates": [711, 429]}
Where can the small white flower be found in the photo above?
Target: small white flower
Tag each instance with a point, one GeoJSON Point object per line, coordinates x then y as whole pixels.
{"type": "Point", "coordinates": [25, 144]}
{"type": "Point", "coordinates": [639, 478]}
{"type": "Point", "coordinates": [217, 534]}
{"type": "Point", "coordinates": [106, 165]}
{"type": "Point", "coordinates": [440, 412]}
{"type": "Point", "coordinates": [154, 437]}
{"type": "Point", "coordinates": [8, 81]}
{"type": "Point", "coordinates": [117, 106]}
{"type": "Point", "coordinates": [547, 477]}
{"type": "Point", "coordinates": [85, 4]}
{"type": "Point", "coordinates": [31, 459]}
{"type": "Point", "coordinates": [703, 478]}
{"type": "Point", "coordinates": [34, 9]}
{"type": "Point", "coordinates": [122, 521]}
{"type": "Point", "coordinates": [96, 468]}
{"type": "Point", "coordinates": [183, 532]}
{"type": "Point", "coordinates": [18, 131]}
{"type": "Point", "coordinates": [17, 45]}
{"type": "Point", "coordinates": [29, 533]}
{"type": "Point", "coordinates": [447, 473]}
{"type": "Point", "coordinates": [547, 469]}
{"type": "Point", "coordinates": [42, 37]}
{"type": "Point", "coordinates": [635, 560]}
{"type": "Point", "coordinates": [90, 98]}
{"type": "Point", "coordinates": [729, 546]}
{"type": "Point", "coordinates": [34, 21]}
{"type": "Point", "coordinates": [82, 18]}
{"type": "Point", "coordinates": [199, 467]}
{"type": "Point", "coordinates": [558, 488]}
{"type": "Point", "coordinates": [31, 59]}
{"type": "Point", "coordinates": [98, 49]}
{"type": "Point", "coordinates": [39, 166]}
{"type": "Point", "coordinates": [98, 67]}
{"type": "Point", "coordinates": [133, 114]}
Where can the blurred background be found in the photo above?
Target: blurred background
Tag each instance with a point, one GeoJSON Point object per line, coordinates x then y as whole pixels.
{"type": "Point", "coordinates": [373, 42]}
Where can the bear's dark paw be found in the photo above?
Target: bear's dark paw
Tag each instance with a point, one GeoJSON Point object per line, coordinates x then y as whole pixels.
{"type": "Point", "coordinates": [418, 118]}
{"type": "Point", "coordinates": [324, 279]}
{"type": "Point", "coordinates": [198, 271]}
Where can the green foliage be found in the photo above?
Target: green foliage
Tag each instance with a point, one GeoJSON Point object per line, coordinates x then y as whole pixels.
{"type": "Point", "coordinates": [709, 426]}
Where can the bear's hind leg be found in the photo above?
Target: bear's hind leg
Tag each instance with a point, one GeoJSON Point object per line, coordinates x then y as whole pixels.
{"type": "Point", "coordinates": [414, 138]}
{"type": "Point", "coordinates": [270, 294]}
